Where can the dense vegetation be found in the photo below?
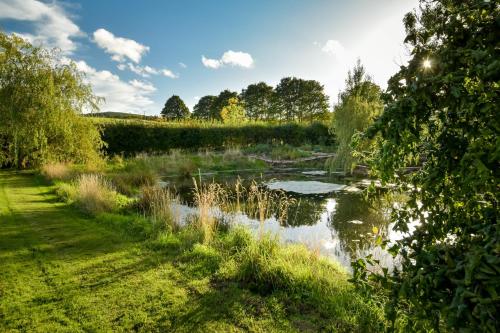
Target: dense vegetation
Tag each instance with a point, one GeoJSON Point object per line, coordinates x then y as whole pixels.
{"type": "Point", "coordinates": [41, 100]}
{"type": "Point", "coordinates": [293, 99]}
{"type": "Point", "coordinates": [151, 136]}
{"type": "Point", "coordinates": [442, 114]}
{"type": "Point", "coordinates": [359, 104]}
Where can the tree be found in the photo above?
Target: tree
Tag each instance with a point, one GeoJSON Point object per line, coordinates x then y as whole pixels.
{"type": "Point", "coordinates": [175, 108]}
{"type": "Point", "coordinates": [202, 109]}
{"type": "Point", "coordinates": [257, 99]}
{"type": "Point", "coordinates": [359, 104]}
{"type": "Point", "coordinates": [221, 101]}
{"type": "Point", "coordinates": [233, 112]}
{"type": "Point", "coordinates": [41, 99]}
{"type": "Point", "coordinates": [297, 99]}
{"type": "Point", "coordinates": [442, 114]}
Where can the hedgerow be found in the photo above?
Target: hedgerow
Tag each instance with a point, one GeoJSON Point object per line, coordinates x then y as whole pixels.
{"type": "Point", "coordinates": [132, 137]}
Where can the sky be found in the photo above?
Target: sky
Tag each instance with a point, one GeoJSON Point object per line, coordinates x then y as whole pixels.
{"type": "Point", "coordinates": [136, 54]}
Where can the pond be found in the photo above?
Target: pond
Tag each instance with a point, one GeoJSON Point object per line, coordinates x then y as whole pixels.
{"type": "Point", "coordinates": [328, 214]}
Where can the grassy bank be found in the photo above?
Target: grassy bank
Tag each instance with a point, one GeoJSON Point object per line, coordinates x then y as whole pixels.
{"type": "Point", "coordinates": [63, 270]}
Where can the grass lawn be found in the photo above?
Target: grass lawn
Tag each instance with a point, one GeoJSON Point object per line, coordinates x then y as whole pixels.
{"type": "Point", "coordinates": [62, 271]}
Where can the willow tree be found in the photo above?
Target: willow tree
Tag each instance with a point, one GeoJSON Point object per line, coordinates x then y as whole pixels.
{"type": "Point", "coordinates": [41, 100]}
{"type": "Point", "coordinates": [359, 104]}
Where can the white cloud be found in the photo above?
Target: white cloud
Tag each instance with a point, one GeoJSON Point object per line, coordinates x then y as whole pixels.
{"type": "Point", "coordinates": [143, 85]}
{"type": "Point", "coordinates": [210, 63]}
{"type": "Point", "coordinates": [335, 48]}
{"type": "Point", "coordinates": [169, 73]}
{"type": "Point", "coordinates": [120, 96]}
{"type": "Point", "coordinates": [120, 48]}
{"type": "Point", "coordinates": [183, 65]}
{"type": "Point", "coordinates": [231, 58]}
{"type": "Point", "coordinates": [241, 59]}
{"type": "Point", "coordinates": [52, 27]}
{"type": "Point", "coordinates": [147, 71]}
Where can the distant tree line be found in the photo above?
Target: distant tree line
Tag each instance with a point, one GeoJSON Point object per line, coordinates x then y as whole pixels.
{"type": "Point", "coordinates": [293, 99]}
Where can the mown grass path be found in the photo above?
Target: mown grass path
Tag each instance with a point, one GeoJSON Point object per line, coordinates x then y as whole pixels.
{"type": "Point", "coordinates": [64, 272]}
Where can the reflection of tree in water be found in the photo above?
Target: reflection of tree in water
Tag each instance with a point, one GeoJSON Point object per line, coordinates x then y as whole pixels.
{"type": "Point", "coordinates": [351, 209]}
{"type": "Point", "coordinates": [306, 211]}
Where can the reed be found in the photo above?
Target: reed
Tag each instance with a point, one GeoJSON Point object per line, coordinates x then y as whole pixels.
{"type": "Point", "coordinates": [95, 194]}
{"type": "Point", "coordinates": [211, 199]}
{"type": "Point", "coordinates": [158, 203]}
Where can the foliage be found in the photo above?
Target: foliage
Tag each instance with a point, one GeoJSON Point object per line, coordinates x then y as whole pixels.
{"type": "Point", "coordinates": [157, 137]}
{"type": "Point", "coordinates": [359, 104]}
{"type": "Point", "coordinates": [233, 112]}
{"type": "Point", "coordinates": [175, 108]}
{"type": "Point", "coordinates": [202, 109]}
{"type": "Point", "coordinates": [257, 99]}
{"type": "Point", "coordinates": [298, 99]}
{"type": "Point", "coordinates": [445, 119]}
{"type": "Point", "coordinates": [220, 102]}
{"type": "Point", "coordinates": [40, 102]}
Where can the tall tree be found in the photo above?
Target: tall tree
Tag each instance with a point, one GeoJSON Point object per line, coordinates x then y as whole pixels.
{"type": "Point", "coordinates": [221, 101]}
{"type": "Point", "coordinates": [298, 99]}
{"type": "Point", "coordinates": [233, 112]}
{"type": "Point", "coordinates": [442, 113]}
{"type": "Point", "coordinates": [359, 104]}
{"type": "Point", "coordinates": [175, 108]}
{"type": "Point", "coordinates": [257, 99]}
{"type": "Point", "coordinates": [202, 109]}
{"type": "Point", "coordinates": [41, 100]}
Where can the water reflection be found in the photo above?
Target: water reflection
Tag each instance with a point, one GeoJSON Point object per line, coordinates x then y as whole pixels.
{"type": "Point", "coordinates": [337, 224]}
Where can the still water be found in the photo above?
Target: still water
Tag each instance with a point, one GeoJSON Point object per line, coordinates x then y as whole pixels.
{"type": "Point", "coordinates": [329, 214]}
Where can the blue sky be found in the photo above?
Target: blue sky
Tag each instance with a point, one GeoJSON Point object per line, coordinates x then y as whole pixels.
{"type": "Point", "coordinates": [136, 54]}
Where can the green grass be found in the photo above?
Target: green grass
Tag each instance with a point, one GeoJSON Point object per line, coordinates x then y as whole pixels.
{"type": "Point", "coordinates": [63, 271]}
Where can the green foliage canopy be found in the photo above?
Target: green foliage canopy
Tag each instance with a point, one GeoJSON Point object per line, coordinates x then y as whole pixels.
{"type": "Point", "coordinates": [175, 108]}
{"type": "Point", "coordinates": [359, 104]}
{"type": "Point", "coordinates": [442, 114]}
{"type": "Point", "coordinates": [233, 112]}
{"type": "Point", "coordinates": [202, 109]}
{"type": "Point", "coordinates": [221, 101]}
{"type": "Point", "coordinates": [298, 99]}
{"type": "Point", "coordinates": [40, 104]}
{"type": "Point", "coordinates": [257, 99]}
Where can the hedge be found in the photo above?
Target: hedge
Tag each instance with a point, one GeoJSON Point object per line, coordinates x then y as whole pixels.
{"type": "Point", "coordinates": [132, 137]}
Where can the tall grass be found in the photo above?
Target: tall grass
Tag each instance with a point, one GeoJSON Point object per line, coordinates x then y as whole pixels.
{"type": "Point", "coordinates": [56, 171]}
{"type": "Point", "coordinates": [209, 199]}
{"type": "Point", "coordinates": [95, 194]}
{"type": "Point", "coordinates": [158, 203]}
{"type": "Point", "coordinates": [266, 266]}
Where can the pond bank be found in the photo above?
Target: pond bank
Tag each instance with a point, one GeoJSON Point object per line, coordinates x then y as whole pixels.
{"type": "Point", "coordinates": [65, 270]}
